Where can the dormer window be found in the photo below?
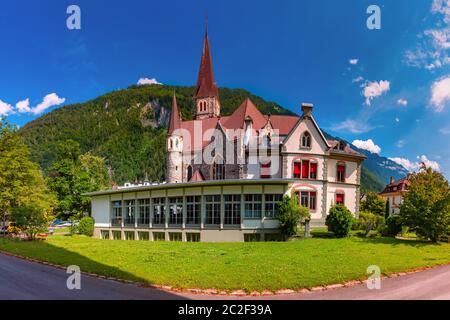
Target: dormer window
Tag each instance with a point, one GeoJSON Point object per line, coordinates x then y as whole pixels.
{"type": "Point", "coordinates": [341, 146]}
{"type": "Point", "coordinates": [306, 140]}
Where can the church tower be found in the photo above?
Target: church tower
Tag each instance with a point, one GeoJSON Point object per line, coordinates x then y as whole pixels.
{"type": "Point", "coordinates": [174, 146]}
{"type": "Point", "coordinates": [206, 98]}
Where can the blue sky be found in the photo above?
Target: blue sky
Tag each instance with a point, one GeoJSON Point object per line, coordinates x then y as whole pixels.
{"type": "Point", "coordinates": [390, 85]}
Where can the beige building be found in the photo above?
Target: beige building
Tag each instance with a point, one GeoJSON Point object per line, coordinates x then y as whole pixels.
{"type": "Point", "coordinates": [225, 174]}
{"type": "Point", "coordinates": [394, 192]}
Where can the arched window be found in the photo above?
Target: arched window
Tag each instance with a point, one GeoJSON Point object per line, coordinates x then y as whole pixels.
{"type": "Point", "coordinates": [218, 171]}
{"type": "Point", "coordinates": [306, 140]}
{"type": "Point", "coordinates": [341, 146]}
{"type": "Point", "coordinates": [176, 143]}
{"type": "Point", "coordinates": [171, 143]}
{"type": "Point", "coordinates": [189, 173]}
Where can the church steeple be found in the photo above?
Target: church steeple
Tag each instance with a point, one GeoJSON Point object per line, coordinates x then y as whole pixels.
{"type": "Point", "coordinates": [206, 94]}
{"type": "Point", "coordinates": [175, 119]}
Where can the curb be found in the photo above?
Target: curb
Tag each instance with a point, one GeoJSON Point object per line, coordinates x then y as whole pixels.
{"type": "Point", "coordinates": [230, 293]}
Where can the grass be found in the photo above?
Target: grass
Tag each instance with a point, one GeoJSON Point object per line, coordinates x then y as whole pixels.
{"type": "Point", "coordinates": [228, 266]}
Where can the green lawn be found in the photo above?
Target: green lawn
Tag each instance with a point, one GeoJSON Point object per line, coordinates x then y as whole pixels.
{"type": "Point", "coordinates": [248, 266]}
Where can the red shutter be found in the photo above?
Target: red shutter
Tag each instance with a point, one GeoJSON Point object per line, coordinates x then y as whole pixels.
{"type": "Point", "coordinates": [313, 170]}
{"type": "Point", "coordinates": [265, 170]}
{"type": "Point", "coordinates": [340, 198]}
{"type": "Point", "coordinates": [305, 171]}
{"type": "Point", "coordinates": [297, 169]}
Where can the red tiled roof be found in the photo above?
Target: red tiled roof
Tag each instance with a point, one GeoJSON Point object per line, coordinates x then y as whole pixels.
{"type": "Point", "coordinates": [175, 119]}
{"type": "Point", "coordinates": [206, 86]}
{"type": "Point", "coordinates": [397, 183]}
{"type": "Point", "coordinates": [284, 124]}
{"type": "Point", "coordinates": [247, 110]}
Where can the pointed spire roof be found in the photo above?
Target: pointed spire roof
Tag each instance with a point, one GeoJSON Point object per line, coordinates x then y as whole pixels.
{"type": "Point", "coordinates": [175, 119]}
{"type": "Point", "coordinates": [206, 86]}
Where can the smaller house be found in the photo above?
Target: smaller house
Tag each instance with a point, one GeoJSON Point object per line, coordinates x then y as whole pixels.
{"type": "Point", "coordinates": [394, 192]}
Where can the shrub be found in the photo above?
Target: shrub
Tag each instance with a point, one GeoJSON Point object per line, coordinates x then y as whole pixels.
{"type": "Point", "coordinates": [86, 226]}
{"type": "Point", "coordinates": [339, 221]}
{"type": "Point", "coordinates": [30, 219]}
{"type": "Point", "coordinates": [392, 227]}
{"type": "Point", "coordinates": [290, 215]}
{"type": "Point", "coordinates": [369, 221]}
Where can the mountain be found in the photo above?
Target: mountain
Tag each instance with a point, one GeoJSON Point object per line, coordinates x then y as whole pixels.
{"type": "Point", "coordinates": [128, 128]}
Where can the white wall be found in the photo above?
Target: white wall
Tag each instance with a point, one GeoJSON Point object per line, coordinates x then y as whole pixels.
{"type": "Point", "coordinates": [101, 211]}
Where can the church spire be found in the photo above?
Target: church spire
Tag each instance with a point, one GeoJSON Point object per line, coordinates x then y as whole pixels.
{"type": "Point", "coordinates": [206, 86]}
{"type": "Point", "coordinates": [175, 119]}
{"type": "Point", "coordinates": [206, 94]}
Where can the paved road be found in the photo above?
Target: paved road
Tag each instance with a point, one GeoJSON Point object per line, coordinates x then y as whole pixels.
{"type": "Point", "coordinates": [25, 280]}
{"type": "Point", "coordinates": [20, 279]}
{"type": "Point", "coordinates": [432, 284]}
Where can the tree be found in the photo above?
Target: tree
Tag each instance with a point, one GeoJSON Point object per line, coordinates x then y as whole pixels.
{"type": "Point", "coordinates": [72, 175]}
{"type": "Point", "coordinates": [30, 218]}
{"type": "Point", "coordinates": [21, 180]}
{"type": "Point", "coordinates": [339, 220]}
{"type": "Point", "coordinates": [374, 203]}
{"type": "Point", "coordinates": [290, 215]}
{"type": "Point", "coordinates": [426, 205]}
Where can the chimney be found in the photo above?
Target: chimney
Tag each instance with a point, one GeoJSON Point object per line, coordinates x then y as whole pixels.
{"type": "Point", "coordinates": [391, 181]}
{"type": "Point", "coordinates": [307, 109]}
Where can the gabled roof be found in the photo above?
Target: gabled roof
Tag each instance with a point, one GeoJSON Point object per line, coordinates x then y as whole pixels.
{"type": "Point", "coordinates": [197, 177]}
{"type": "Point", "coordinates": [334, 145]}
{"type": "Point", "coordinates": [206, 86]}
{"type": "Point", "coordinates": [175, 119]}
{"type": "Point", "coordinates": [247, 110]}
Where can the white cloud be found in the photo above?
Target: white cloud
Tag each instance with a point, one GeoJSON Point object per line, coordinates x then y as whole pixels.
{"type": "Point", "coordinates": [23, 106]}
{"type": "Point", "coordinates": [400, 143]}
{"type": "Point", "coordinates": [415, 166]}
{"type": "Point", "coordinates": [431, 51]}
{"type": "Point", "coordinates": [442, 7]}
{"type": "Point", "coordinates": [147, 81]}
{"type": "Point", "coordinates": [352, 126]}
{"type": "Point", "coordinates": [408, 165]}
{"type": "Point", "coordinates": [440, 94]}
{"type": "Point", "coordinates": [5, 108]}
{"type": "Point", "coordinates": [397, 119]}
{"type": "Point", "coordinates": [368, 145]}
{"type": "Point", "coordinates": [358, 79]}
{"type": "Point", "coordinates": [429, 163]}
{"type": "Point", "coordinates": [353, 61]}
{"type": "Point", "coordinates": [375, 89]}
{"type": "Point", "coordinates": [49, 101]}
{"type": "Point", "coordinates": [402, 102]}
{"type": "Point", "coordinates": [445, 131]}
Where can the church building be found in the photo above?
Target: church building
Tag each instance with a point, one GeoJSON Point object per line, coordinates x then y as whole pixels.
{"type": "Point", "coordinates": [226, 173]}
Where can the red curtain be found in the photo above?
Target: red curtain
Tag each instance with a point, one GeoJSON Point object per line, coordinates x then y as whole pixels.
{"type": "Point", "coordinates": [340, 198]}
{"type": "Point", "coordinates": [297, 168]}
{"type": "Point", "coordinates": [305, 171]}
{"type": "Point", "coordinates": [313, 168]}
